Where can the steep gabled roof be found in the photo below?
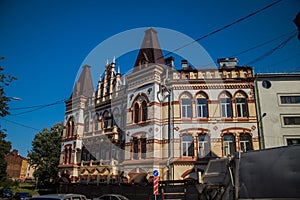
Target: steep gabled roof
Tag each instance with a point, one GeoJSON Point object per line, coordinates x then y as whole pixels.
{"type": "Point", "coordinates": [84, 84]}
{"type": "Point", "coordinates": [150, 51]}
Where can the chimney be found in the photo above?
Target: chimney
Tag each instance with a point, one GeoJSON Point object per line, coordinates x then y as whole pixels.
{"type": "Point", "coordinates": [227, 62]}
{"type": "Point", "coordinates": [184, 64]}
{"type": "Point", "coordinates": [170, 61]}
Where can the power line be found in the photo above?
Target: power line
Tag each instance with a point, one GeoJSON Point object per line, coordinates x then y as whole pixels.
{"type": "Point", "coordinates": [19, 124]}
{"type": "Point", "coordinates": [255, 47]}
{"type": "Point", "coordinates": [284, 60]}
{"type": "Point", "coordinates": [263, 44]}
{"type": "Point", "coordinates": [225, 27]}
{"type": "Point", "coordinates": [268, 53]}
{"type": "Point", "coordinates": [38, 107]}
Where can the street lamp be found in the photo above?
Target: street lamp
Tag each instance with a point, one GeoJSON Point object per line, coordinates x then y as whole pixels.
{"type": "Point", "coordinates": [15, 98]}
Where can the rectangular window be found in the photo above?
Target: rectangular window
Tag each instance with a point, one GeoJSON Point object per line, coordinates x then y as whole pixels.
{"type": "Point", "coordinates": [229, 144]}
{"type": "Point", "coordinates": [144, 147]}
{"type": "Point", "coordinates": [186, 108]}
{"type": "Point", "coordinates": [135, 148]}
{"type": "Point", "coordinates": [114, 152]}
{"type": "Point", "coordinates": [241, 106]}
{"type": "Point", "coordinates": [187, 145]}
{"type": "Point", "coordinates": [203, 145]}
{"type": "Point", "coordinates": [226, 109]}
{"type": "Point", "coordinates": [202, 108]}
{"type": "Point", "coordinates": [292, 141]}
{"type": "Point", "coordinates": [291, 120]}
{"type": "Point", "coordinates": [229, 148]}
{"type": "Point", "coordinates": [290, 99]}
{"type": "Point", "coordinates": [245, 145]}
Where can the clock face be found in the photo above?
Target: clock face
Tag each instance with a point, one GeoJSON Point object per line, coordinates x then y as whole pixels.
{"type": "Point", "coordinates": [266, 84]}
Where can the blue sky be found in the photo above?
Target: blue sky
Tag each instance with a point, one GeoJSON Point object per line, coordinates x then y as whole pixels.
{"type": "Point", "coordinates": [45, 43]}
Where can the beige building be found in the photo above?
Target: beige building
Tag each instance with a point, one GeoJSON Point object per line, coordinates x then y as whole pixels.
{"type": "Point", "coordinates": [278, 100]}
{"type": "Point", "coordinates": [157, 118]}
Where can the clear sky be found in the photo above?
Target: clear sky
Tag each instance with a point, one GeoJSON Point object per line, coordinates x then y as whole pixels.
{"type": "Point", "coordinates": [45, 42]}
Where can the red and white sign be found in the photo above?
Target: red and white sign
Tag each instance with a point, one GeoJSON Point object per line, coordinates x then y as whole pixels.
{"type": "Point", "coordinates": [155, 185]}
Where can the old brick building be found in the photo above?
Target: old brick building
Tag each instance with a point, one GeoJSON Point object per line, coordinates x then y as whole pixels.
{"type": "Point", "coordinates": [16, 165]}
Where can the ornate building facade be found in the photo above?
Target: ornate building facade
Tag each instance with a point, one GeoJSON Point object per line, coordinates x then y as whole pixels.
{"type": "Point", "coordinates": [157, 117]}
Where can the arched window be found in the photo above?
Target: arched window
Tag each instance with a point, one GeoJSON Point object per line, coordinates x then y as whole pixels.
{"type": "Point", "coordinates": [106, 120]}
{"type": "Point", "coordinates": [241, 105]}
{"type": "Point", "coordinates": [86, 124]}
{"type": "Point", "coordinates": [70, 127]}
{"type": "Point", "coordinates": [116, 118]}
{"type": "Point", "coordinates": [245, 142]}
{"type": "Point", "coordinates": [186, 106]}
{"type": "Point", "coordinates": [201, 106]}
{"type": "Point", "coordinates": [203, 145]}
{"type": "Point", "coordinates": [226, 105]}
{"type": "Point", "coordinates": [68, 154]}
{"type": "Point", "coordinates": [139, 109]}
{"type": "Point", "coordinates": [85, 154]}
{"type": "Point", "coordinates": [228, 144]}
{"type": "Point", "coordinates": [187, 145]}
{"type": "Point", "coordinates": [95, 122]}
{"type": "Point", "coordinates": [136, 112]}
{"type": "Point", "coordinates": [144, 111]}
{"type": "Point", "coordinates": [139, 147]}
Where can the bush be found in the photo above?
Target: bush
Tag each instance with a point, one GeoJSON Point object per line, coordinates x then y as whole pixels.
{"type": "Point", "coordinates": [8, 183]}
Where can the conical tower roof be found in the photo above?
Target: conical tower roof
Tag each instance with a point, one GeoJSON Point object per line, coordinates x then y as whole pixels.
{"type": "Point", "coordinates": [84, 84]}
{"type": "Point", "coordinates": [150, 51]}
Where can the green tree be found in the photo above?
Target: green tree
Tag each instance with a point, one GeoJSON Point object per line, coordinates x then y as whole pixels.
{"type": "Point", "coordinates": [5, 81]}
{"type": "Point", "coordinates": [5, 146]}
{"type": "Point", "coordinates": [45, 154]}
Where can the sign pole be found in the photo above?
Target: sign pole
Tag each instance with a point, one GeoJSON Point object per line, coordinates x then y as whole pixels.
{"type": "Point", "coordinates": [155, 183]}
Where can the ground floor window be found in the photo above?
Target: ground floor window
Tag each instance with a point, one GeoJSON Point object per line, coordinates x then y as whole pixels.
{"type": "Point", "coordinates": [203, 145]}
{"type": "Point", "coordinates": [187, 147]}
{"type": "Point", "coordinates": [292, 141]}
{"type": "Point", "coordinates": [245, 142]}
{"type": "Point", "coordinates": [228, 144]}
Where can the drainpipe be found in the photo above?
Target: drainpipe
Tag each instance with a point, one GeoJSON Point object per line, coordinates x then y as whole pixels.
{"type": "Point", "coordinates": [170, 125]}
{"type": "Point", "coordinates": [261, 116]}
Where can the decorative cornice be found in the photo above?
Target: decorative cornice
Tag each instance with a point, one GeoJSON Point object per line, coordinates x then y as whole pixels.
{"type": "Point", "coordinates": [213, 86]}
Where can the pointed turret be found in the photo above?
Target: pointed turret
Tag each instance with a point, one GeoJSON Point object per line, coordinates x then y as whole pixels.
{"type": "Point", "coordinates": [150, 51]}
{"type": "Point", "coordinates": [84, 85]}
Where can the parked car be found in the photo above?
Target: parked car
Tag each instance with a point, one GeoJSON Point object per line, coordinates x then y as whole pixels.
{"type": "Point", "coordinates": [111, 197]}
{"type": "Point", "coordinates": [22, 196]}
{"type": "Point", "coordinates": [60, 197]}
{"type": "Point", "coordinates": [6, 193]}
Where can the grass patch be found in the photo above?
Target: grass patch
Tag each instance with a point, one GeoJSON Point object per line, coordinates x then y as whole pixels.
{"type": "Point", "coordinates": [26, 187]}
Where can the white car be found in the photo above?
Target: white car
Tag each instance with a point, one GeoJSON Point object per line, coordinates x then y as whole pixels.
{"type": "Point", "coordinates": [60, 197]}
{"type": "Point", "coordinates": [111, 197]}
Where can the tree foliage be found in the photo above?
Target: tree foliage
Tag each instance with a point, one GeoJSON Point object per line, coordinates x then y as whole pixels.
{"type": "Point", "coordinates": [5, 146]}
{"type": "Point", "coordinates": [45, 154]}
{"type": "Point", "coordinates": [5, 80]}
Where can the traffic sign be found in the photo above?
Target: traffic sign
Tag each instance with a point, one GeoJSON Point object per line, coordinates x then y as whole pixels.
{"type": "Point", "coordinates": [155, 173]}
